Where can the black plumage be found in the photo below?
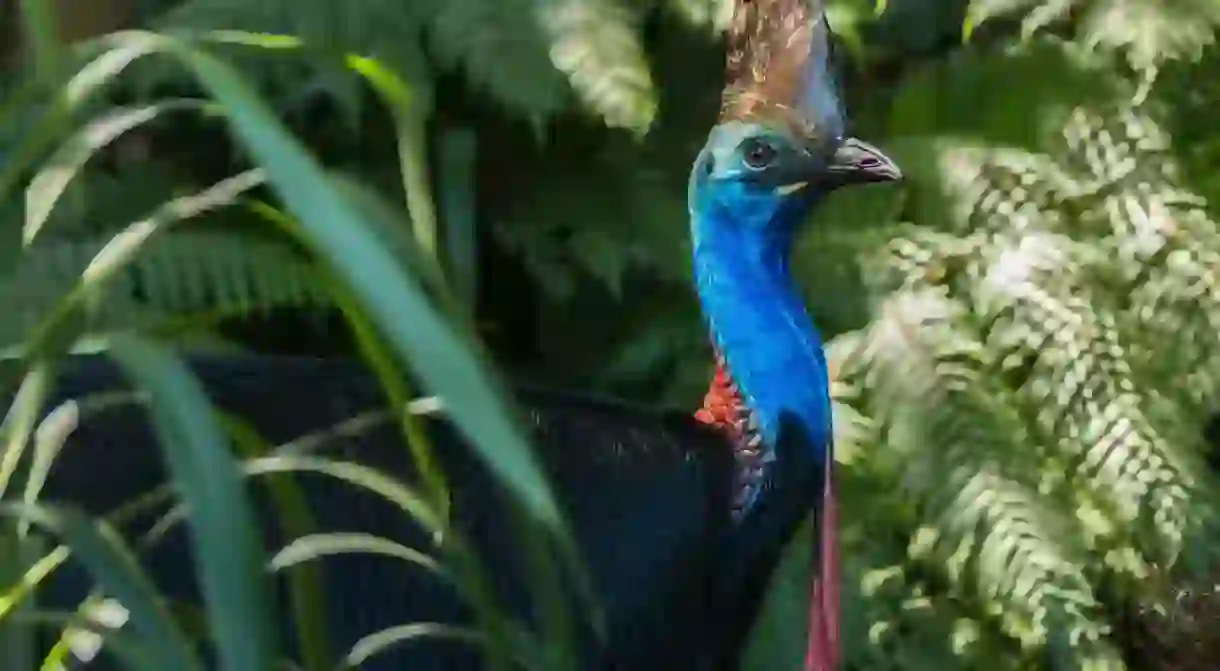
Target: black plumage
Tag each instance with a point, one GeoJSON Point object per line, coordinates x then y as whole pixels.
{"type": "Point", "coordinates": [647, 492]}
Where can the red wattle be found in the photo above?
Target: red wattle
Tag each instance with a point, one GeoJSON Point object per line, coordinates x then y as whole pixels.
{"type": "Point", "coordinates": [822, 647]}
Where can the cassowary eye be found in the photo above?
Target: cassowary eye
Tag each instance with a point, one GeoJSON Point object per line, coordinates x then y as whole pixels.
{"type": "Point", "coordinates": [757, 154]}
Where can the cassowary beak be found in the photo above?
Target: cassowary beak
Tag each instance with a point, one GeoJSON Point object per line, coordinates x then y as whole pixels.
{"type": "Point", "coordinates": [858, 162]}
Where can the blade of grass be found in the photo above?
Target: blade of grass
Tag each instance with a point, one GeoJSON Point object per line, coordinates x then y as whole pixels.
{"type": "Point", "coordinates": [224, 533]}
{"type": "Point", "coordinates": [53, 177]}
{"type": "Point", "coordinates": [306, 597]}
{"type": "Point", "coordinates": [22, 417]}
{"type": "Point", "coordinates": [112, 564]}
{"type": "Point", "coordinates": [42, 35]}
{"type": "Point", "coordinates": [410, 112]}
{"type": "Point", "coordinates": [80, 89]}
{"type": "Point", "coordinates": [457, 198]}
{"type": "Point", "coordinates": [395, 637]}
{"type": "Point", "coordinates": [373, 349]}
{"type": "Point", "coordinates": [57, 332]}
{"type": "Point", "coordinates": [422, 339]}
{"type": "Point", "coordinates": [49, 439]}
{"type": "Point", "coordinates": [31, 578]}
{"type": "Point", "coordinates": [16, 553]}
{"type": "Point", "coordinates": [319, 546]}
{"type": "Point", "coordinates": [366, 478]}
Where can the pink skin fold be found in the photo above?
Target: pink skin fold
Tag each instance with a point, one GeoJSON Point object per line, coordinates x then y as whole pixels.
{"type": "Point", "coordinates": [822, 647]}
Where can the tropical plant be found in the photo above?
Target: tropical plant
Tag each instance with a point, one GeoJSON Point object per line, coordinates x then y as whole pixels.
{"type": "Point", "coordinates": [341, 232]}
{"type": "Point", "coordinates": [1021, 419]}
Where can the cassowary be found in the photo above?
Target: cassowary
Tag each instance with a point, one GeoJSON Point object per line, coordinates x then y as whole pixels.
{"type": "Point", "coordinates": [680, 522]}
{"type": "Point", "coordinates": [780, 146]}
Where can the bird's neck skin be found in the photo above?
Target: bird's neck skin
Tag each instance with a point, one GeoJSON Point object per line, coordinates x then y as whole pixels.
{"type": "Point", "coordinates": [759, 323]}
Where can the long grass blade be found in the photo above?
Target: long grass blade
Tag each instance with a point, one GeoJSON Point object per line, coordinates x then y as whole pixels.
{"type": "Point", "coordinates": [49, 439]}
{"type": "Point", "coordinates": [319, 546]}
{"type": "Point", "coordinates": [339, 234]}
{"type": "Point", "coordinates": [31, 578]}
{"type": "Point", "coordinates": [52, 179]}
{"type": "Point", "coordinates": [364, 477]}
{"type": "Point", "coordinates": [238, 601]}
{"type": "Point", "coordinates": [58, 330]}
{"type": "Point", "coordinates": [42, 36]}
{"type": "Point", "coordinates": [20, 421]}
{"type": "Point", "coordinates": [103, 552]}
{"type": "Point", "coordinates": [306, 597]}
{"type": "Point", "coordinates": [395, 637]}
{"type": "Point", "coordinates": [410, 114]}
{"type": "Point", "coordinates": [80, 89]}
{"type": "Point", "coordinates": [17, 643]}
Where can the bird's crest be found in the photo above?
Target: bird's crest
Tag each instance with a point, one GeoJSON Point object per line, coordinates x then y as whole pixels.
{"type": "Point", "coordinates": [779, 68]}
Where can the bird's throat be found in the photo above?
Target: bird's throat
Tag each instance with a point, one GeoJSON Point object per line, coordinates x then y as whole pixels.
{"type": "Point", "coordinates": [770, 367]}
{"type": "Point", "coordinates": [770, 354]}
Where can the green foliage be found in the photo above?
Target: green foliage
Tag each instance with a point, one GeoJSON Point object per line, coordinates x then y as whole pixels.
{"type": "Point", "coordinates": [339, 230]}
{"type": "Point", "coordinates": [516, 51]}
{"type": "Point", "coordinates": [1147, 31]}
{"type": "Point", "coordinates": [1025, 398]}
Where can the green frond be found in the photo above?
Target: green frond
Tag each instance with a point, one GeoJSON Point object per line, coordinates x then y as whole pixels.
{"type": "Point", "coordinates": [946, 435]}
{"type": "Point", "coordinates": [516, 51]}
{"type": "Point", "coordinates": [184, 274]}
{"type": "Point", "coordinates": [504, 50]}
{"type": "Point", "coordinates": [1147, 31]}
{"type": "Point", "coordinates": [596, 44]}
{"type": "Point", "coordinates": [1043, 230]}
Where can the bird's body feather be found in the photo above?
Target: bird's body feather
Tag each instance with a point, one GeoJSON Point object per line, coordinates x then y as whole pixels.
{"type": "Point", "coordinates": [645, 490]}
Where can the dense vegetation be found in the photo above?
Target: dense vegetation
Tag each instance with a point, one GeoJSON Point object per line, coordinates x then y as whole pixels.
{"type": "Point", "coordinates": [1022, 336]}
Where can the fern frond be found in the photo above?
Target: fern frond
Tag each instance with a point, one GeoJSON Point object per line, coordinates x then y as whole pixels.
{"type": "Point", "coordinates": [952, 438]}
{"type": "Point", "coordinates": [596, 44]}
{"type": "Point", "coordinates": [504, 50]}
{"type": "Point", "coordinates": [180, 274]}
{"type": "Point", "coordinates": [1147, 31]}
{"type": "Point", "coordinates": [1162, 243]}
{"type": "Point", "coordinates": [517, 51]}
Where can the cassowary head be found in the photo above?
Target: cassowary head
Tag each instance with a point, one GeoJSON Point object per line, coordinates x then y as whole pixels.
{"type": "Point", "coordinates": [781, 141]}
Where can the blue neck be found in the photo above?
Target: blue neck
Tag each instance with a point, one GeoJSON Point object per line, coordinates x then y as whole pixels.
{"type": "Point", "coordinates": [759, 323]}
